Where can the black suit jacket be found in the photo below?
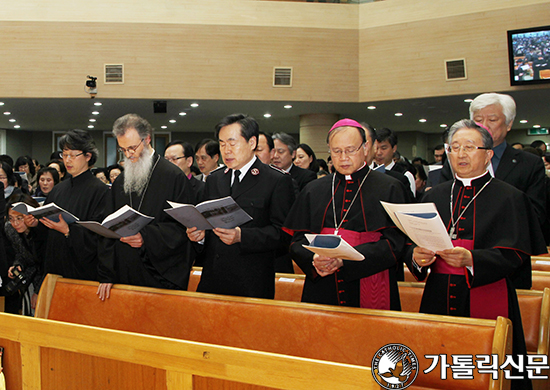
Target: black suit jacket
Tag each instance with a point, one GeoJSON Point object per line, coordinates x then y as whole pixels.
{"type": "Point", "coordinates": [302, 176]}
{"type": "Point", "coordinates": [247, 268]}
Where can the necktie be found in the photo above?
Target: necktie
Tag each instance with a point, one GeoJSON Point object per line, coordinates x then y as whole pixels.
{"type": "Point", "coordinates": [236, 180]}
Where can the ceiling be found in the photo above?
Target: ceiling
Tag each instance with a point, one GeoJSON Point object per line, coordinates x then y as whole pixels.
{"type": "Point", "coordinates": [56, 114]}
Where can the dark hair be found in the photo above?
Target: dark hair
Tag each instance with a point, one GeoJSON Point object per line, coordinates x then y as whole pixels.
{"type": "Point", "coordinates": [210, 146]}
{"type": "Point", "coordinates": [439, 147]}
{"type": "Point", "coordinates": [385, 134]}
{"type": "Point", "coordinates": [537, 144]}
{"type": "Point", "coordinates": [9, 172]}
{"type": "Point", "coordinates": [249, 126]}
{"type": "Point", "coordinates": [195, 170]}
{"type": "Point", "coordinates": [80, 140]}
{"type": "Point", "coordinates": [268, 138]}
{"type": "Point", "coordinates": [132, 121]}
{"type": "Point", "coordinates": [187, 148]}
{"type": "Point", "coordinates": [22, 160]}
{"type": "Point", "coordinates": [421, 173]}
{"type": "Point", "coordinates": [314, 166]}
{"type": "Point", "coordinates": [322, 164]}
{"type": "Point", "coordinates": [20, 197]}
{"type": "Point", "coordinates": [50, 170]}
{"type": "Point", "coordinates": [61, 165]}
{"type": "Point", "coordinates": [547, 157]}
{"type": "Point", "coordinates": [536, 151]}
{"type": "Point", "coordinates": [419, 161]}
{"type": "Point", "coordinates": [112, 167]}
{"type": "Point", "coordinates": [7, 159]}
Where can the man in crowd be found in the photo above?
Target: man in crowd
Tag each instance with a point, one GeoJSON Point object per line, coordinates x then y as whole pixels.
{"type": "Point", "coordinates": [265, 149]}
{"type": "Point", "coordinates": [285, 152]}
{"type": "Point", "coordinates": [525, 171]}
{"type": "Point", "coordinates": [240, 261]}
{"type": "Point", "coordinates": [207, 153]}
{"type": "Point", "coordinates": [181, 154]}
{"type": "Point", "coordinates": [348, 204]}
{"type": "Point", "coordinates": [159, 255]}
{"type": "Point", "coordinates": [439, 152]}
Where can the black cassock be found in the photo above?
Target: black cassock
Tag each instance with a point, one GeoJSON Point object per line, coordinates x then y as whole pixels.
{"type": "Point", "coordinates": [313, 211]}
{"type": "Point", "coordinates": [76, 256]}
{"type": "Point", "coordinates": [165, 258]}
{"type": "Point", "coordinates": [503, 230]}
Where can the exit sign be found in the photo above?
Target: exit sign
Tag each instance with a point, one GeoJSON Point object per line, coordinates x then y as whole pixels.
{"type": "Point", "coordinates": [537, 131]}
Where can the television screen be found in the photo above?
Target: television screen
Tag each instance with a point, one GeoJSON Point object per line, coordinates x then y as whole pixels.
{"type": "Point", "coordinates": [529, 53]}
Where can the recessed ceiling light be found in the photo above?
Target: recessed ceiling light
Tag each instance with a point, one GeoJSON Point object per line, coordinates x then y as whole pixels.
{"type": "Point", "coordinates": [267, 115]}
{"type": "Point", "coordinates": [183, 113]}
{"type": "Point", "coordinates": [443, 125]}
{"type": "Point", "coordinates": [398, 114]}
{"type": "Point", "coordinates": [12, 120]}
{"type": "Point", "coordinates": [90, 126]}
{"type": "Point", "coordinates": [1, 103]}
{"type": "Point", "coordinates": [536, 126]}
{"type": "Point", "coordinates": [98, 104]}
{"type": "Point", "coordinates": [91, 120]}
{"type": "Point", "coordinates": [288, 106]}
{"type": "Point", "coordinates": [172, 121]}
{"type": "Point", "coordinates": [371, 107]}
{"type": "Point", "coordinates": [194, 105]}
{"type": "Point", "coordinates": [468, 100]}
{"type": "Point", "coordinates": [7, 113]}
{"type": "Point", "coordinates": [164, 127]}
{"type": "Point", "coordinates": [95, 112]}
{"type": "Point", "coordinates": [16, 127]}
{"type": "Point", "coordinates": [422, 120]}
{"type": "Point", "coordinates": [523, 121]}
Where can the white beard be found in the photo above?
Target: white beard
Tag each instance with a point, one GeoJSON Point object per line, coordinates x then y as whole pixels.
{"type": "Point", "coordinates": [136, 175]}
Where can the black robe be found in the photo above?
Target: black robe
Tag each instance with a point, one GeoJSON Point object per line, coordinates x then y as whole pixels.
{"type": "Point", "coordinates": [505, 232]}
{"type": "Point", "coordinates": [313, 211]}
{"type": "Point", "coordinates": [76, 256]}
{"type": "Point", "coordinates": [165, 258]}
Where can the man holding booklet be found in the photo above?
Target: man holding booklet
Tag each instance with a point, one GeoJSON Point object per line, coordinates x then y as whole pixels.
{"type": "Point", "coordinates": [240, 261]}
{"type": "Point", "coordinates": [347, 204]}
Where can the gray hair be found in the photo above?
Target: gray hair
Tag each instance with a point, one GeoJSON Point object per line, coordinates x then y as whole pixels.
{"type": "Point", "coordinates": [505, 101]}
{"type": "Point", "coordinates": [132, 121]}
{"type": "Point", "coordinates": [486, 137]}
{"type": "Point", "coordinates": [288, 140]}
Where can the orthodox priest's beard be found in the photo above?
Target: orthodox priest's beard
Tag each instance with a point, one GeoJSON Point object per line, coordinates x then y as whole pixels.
{"type": "Point", "coordinates": [136, 174]}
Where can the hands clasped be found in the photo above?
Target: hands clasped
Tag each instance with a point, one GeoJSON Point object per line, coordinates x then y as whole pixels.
{"type": "Point", "coordinates": [326, 265]}
{"type": "Point", "coordinates": [455, 257]}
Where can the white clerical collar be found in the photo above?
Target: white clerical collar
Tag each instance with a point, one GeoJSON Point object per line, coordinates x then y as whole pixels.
{"type": "Point", "coordinates": [348, 177]}
{"type": "Point", "coordinates": [467, 182]}
{"type": "Point", "coordinates": [245, 168]}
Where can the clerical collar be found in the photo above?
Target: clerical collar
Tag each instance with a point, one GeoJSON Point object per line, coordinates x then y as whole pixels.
{"type": "Point", "coordinates": [246, 168]}
{"type": "Point", "coordinates": [467, 182]}
{"type": "Point", "coordinates": [357, 174]}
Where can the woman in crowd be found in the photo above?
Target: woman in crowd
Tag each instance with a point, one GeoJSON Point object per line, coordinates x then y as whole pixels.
{"type": "Point", "coordinates": [47, 178]}
{"type": "Point", "coordinates": [305, 158]}
{"type": "Point", "coordinates": [8, 179]}
{"type": "Point", "coordinates": [25, 245]}
{"type": "Point", "coordinates": [100, 174]}
{"type": "Point", "coordinates": [26, 165]}
{"type": "Point", "coordinates": [60, 167]}
{"type": "Point", "coordinates": [113, 171]}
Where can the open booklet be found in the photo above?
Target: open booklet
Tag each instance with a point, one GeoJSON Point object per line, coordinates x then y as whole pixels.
{"type": "Point", "coordinates": [122, 223]}
{"type": "Point", "coordinates": [331, 245]}
{"type": "Point", "coordinates": [422, 223]}
{"type": "Point", "coordinates": [218, 213]}
{"type": "Point", "coordinates": [50, 211]}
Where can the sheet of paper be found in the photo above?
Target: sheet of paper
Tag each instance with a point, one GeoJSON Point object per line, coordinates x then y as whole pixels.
{"type": "Point", "coordinates": [331, 245]}
{"type": "Point", "coordinates": [426, 230]}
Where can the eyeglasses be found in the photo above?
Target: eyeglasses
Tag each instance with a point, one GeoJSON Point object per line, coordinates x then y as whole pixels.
{"type": "Point", "coordinates": [3, 177]}
{"type": "Point", "coordinates": [173, 159]}
{"type": "Point", "coordinates": [67, 156]}
{"type": "Point", "coordinates": [130, 149]}
{"type": "Point", "coordinates": [466, 148]}
{"type": "Point", "coordinates": [15, 220]}
{"type": "Point", "coordinates": [348, 151]}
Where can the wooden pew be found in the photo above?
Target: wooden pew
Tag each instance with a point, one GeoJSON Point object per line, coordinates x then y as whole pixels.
{"type": "Point", "coordinates": [541, 280]}
{"type": "Point", "coordinates": [540, 263]}
{"type": "Point", "coordinates": [346, 336]}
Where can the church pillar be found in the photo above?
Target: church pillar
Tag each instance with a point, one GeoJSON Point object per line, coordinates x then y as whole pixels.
{"type": "Point", "coordinates": [314, 129]}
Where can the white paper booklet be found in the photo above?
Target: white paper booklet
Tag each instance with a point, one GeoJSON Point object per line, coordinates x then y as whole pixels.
{"type": "Point", "coordinates": [50, 211]}
{"type": "Point", "coordinates": [422, 223]}
{"type": "Point", "coordinates": [218, 213]}
{"type": "Point", "coordinates": [122, 223]}
{"type": "Point", "coordinates": [332, 245]}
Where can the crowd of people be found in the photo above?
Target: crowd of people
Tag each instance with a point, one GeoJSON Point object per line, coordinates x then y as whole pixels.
{"type": "Point", "coordinates": [491, 197]}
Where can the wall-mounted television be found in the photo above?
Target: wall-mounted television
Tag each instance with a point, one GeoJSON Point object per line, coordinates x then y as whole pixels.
{"type": "Point", "coordinates": [529, 55]}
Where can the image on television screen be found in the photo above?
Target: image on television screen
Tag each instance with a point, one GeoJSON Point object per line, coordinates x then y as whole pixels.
{"type": "Point", "coordinates": [529, 51]}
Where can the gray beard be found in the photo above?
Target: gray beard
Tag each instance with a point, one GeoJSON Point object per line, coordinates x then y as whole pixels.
{"type": "Point", "coordinates": [136, 175]}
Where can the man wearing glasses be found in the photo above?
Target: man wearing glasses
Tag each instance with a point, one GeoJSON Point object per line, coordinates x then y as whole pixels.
{"type": "Point", "coordinates": [347, 203]}
{"type": "Point", "coordinates": [181, 153]}
{"type": "Point", "coordinates": [160, 254]}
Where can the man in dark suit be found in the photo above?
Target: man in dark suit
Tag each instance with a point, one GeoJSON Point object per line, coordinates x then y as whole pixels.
{"type": "Point", "coordinates": [240, 261]}
{"type": "Point", "coordinates": [181, 154]}
{"type": "Point", "coordinates": [525, 171]}
{"type": "Point", "coordinates": [285, 152]}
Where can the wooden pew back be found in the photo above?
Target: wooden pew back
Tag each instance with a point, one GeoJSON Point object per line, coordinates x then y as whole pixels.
{"type": "Point", "coordinates": [541, 280]}
{"type": "Point", "coordinates": [342, 335]}
{"type": "Point", "coordinates": [540, 263]}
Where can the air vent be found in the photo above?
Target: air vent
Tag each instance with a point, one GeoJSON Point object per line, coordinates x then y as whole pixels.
{"type": "Point", "coordinates": [455, 69]}
{"type": "Point", "coordinates": [282, 77]}
{"type": "Point", "coordinates": [114, 74]}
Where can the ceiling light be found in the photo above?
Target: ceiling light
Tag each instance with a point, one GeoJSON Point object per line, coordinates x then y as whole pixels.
{"type": "Point", "coordinates": [91, 120]}
{"type": "Point", "coordinates": [98, 104]}
{"type": "Point", "coordinates": [183, 113]}
{"type": "Point", "coordinates": [7, 113]}
{"type": "Point", "coordinates": [443, 125]}
{"type": "Point", "coordinates": [422, 120]}
{"type": "Point", "coordinates": [371, 107]}
{"type": "Point", "coordinates": [16, 127]}
{"type": "Point", "coordinates": [267, 115]}
{"type": "Point", "coordinates": [90, 126]}
{"type": "Point", "coordinates": [194, 105]}
{"type": "Point", "coordinates": [468, 100]}
{"type": "Point", "coordinates": [523, 121]}
{"type": "Point", "coordinates": [12, 120]}
{"type": "Point", "coordinates": [95, 113]}
{"type": "Point", "coordinates": [536, 126]}
{"type": "Point", "coordinates": [164, 127]}
{"type": "Point", "coordinates": [287, 106]}
{"type": "Point", "coordinates": [172, 121]}
{"type": "Point", "coordinates": [1, 103]}
{"type": "Point", "coordinates": [398, 114]}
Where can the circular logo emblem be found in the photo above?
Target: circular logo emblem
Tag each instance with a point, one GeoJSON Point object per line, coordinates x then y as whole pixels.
{"type": "Point", "coordinates": [394, 366]}
{"type": "Point", "coordinates": [255, 171]}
